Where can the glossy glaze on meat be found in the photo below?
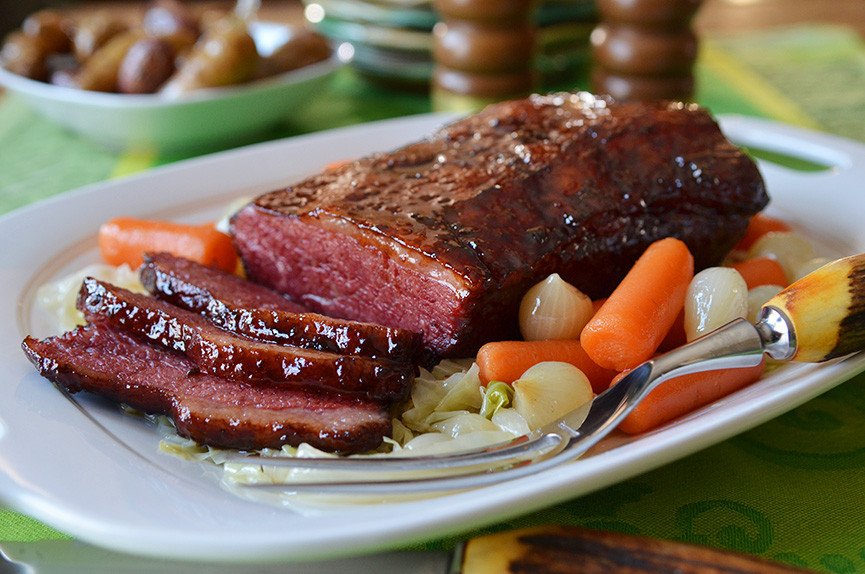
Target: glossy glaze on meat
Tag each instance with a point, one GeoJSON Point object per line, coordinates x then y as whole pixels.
{"type": "Point", "coordinates": [250, 309]}
{"type": "Point", "coordinates": [445, 235]}
{"type": "Point", "coordinates": [225, 354]}
{"type": "Point", "coordinates": [105, 360]}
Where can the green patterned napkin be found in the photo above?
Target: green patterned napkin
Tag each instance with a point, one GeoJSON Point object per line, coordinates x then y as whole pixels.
{"type": "Point", "coordinates": [791, 490]}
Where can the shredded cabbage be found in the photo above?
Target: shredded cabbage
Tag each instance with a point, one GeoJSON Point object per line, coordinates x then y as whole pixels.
{"type": "Point", "coordinates": [58, 297]}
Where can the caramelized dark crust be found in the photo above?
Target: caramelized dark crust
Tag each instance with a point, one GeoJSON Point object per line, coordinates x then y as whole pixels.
{"type": "Point", "coordinates": [211, 410]}
{"type": "Point", "coordinates": [250, 309]}
{"type": "Point", "coordinates": [445, 235]}
{"type": "Point", "coordinates": [222, 353]}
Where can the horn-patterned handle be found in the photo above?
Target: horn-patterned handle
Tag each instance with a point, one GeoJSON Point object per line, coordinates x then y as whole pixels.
{"type": "Point", "coordinates": [827, 310]}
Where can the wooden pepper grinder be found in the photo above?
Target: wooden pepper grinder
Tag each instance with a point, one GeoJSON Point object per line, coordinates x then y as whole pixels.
{"type": "Point", "coordinates": [483, 52]}
{"type": "Point", "coordinates": [645, 49]}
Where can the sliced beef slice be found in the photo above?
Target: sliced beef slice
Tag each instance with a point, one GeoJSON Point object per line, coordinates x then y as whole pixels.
{"type": "Point", "coordinates": [256, 311]}
{"type": "Point", "coordinates": [106, 360]}
{"type": "Point", "coordinates": [222, 353]}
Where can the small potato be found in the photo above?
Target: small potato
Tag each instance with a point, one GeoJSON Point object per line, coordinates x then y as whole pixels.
{"type": "Point", "coordinates": [25, 55]}
{"type": "Point", "coordinates": [225, 55]}
{"type": "Point", "coordinates": [180, 44]}
{"type": "Point", "coordinates": [146, 66]}
{"type": "Point", "coordinates": [169, 17]}
{"type": "Point", "coordinates": [52, 27]}
{"type": "Point", "coordinates": [93, 32]}
{"type": "Point", "coordinates": [303, 48]}
{"type": "Point", "coordinates": [99, 72]}
{"type": "Point", "coordinates": [173, 22]}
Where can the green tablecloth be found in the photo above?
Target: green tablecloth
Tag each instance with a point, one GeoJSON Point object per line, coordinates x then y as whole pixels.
{"type": "Point", "coordinates": [791, 490]}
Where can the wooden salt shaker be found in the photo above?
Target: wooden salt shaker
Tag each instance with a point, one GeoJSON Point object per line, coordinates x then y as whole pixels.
{"type": "Point", "coordinates": [645, 49]}
{"type": "Point", "coordinates": [483, 52]}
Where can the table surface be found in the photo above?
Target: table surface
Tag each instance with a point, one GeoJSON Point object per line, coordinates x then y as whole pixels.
{"type": "Point", "coordinates": [791, 490]}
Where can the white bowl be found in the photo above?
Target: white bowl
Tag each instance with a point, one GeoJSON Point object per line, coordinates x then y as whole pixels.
{"type": "Point", "coordinates": [200, 121]}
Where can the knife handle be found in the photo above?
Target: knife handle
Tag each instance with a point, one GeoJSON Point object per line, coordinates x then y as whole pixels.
{"type": "Point", "coordinates": [827, 310]}
{"type": "Point", "coordinates": [557, 549]}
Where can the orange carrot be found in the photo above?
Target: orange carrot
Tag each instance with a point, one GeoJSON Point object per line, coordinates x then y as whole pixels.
{"type": "Point", "coordinates": [125, 240]}
{"type": "Point", "coordinates": [630, 326]}
{"type": "Point", "coordinates": [681, 395]}
{"type": "Point", "coordinates": [761, 271]}
{"type": "Point", "coordinates": [760, 225]}
{"type": "Point", "coordinates": [337, 164]}
{"type": "Point", "coordinates": [507, 360]}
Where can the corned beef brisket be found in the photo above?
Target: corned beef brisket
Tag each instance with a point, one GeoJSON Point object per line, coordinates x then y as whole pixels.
{"type": "Point", "coordinates": [444, 236]}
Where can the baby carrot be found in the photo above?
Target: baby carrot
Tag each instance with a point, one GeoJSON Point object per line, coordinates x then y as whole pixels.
{"type": "Point", "coordinates": [507, 360]}
{"type": "Point", "coordinates": [761, 271]}
{"type": "Point", "coordinates": [681, 395]}
{"type": "Point", "coordinates": [337, 164]}
{"type": "Point", "coordinates": [126, 239]}
{"type": "Point", "coordinates": [630, 326]}
{"type": "Point", "coordinates": [760, 225]}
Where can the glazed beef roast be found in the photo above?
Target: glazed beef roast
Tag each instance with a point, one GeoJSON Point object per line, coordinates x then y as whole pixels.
{"type": "Point", "coordinates": [445, 235]}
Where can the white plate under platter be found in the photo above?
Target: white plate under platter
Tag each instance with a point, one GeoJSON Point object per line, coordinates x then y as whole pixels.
{"type": "Point", "coordinates": [203, 120]}
{"type": "Point", "coordinates": [95, 473]}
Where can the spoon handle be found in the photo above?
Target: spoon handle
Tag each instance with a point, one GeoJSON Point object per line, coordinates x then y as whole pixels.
{"type": "Point", "coordinates": [827, 310]}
